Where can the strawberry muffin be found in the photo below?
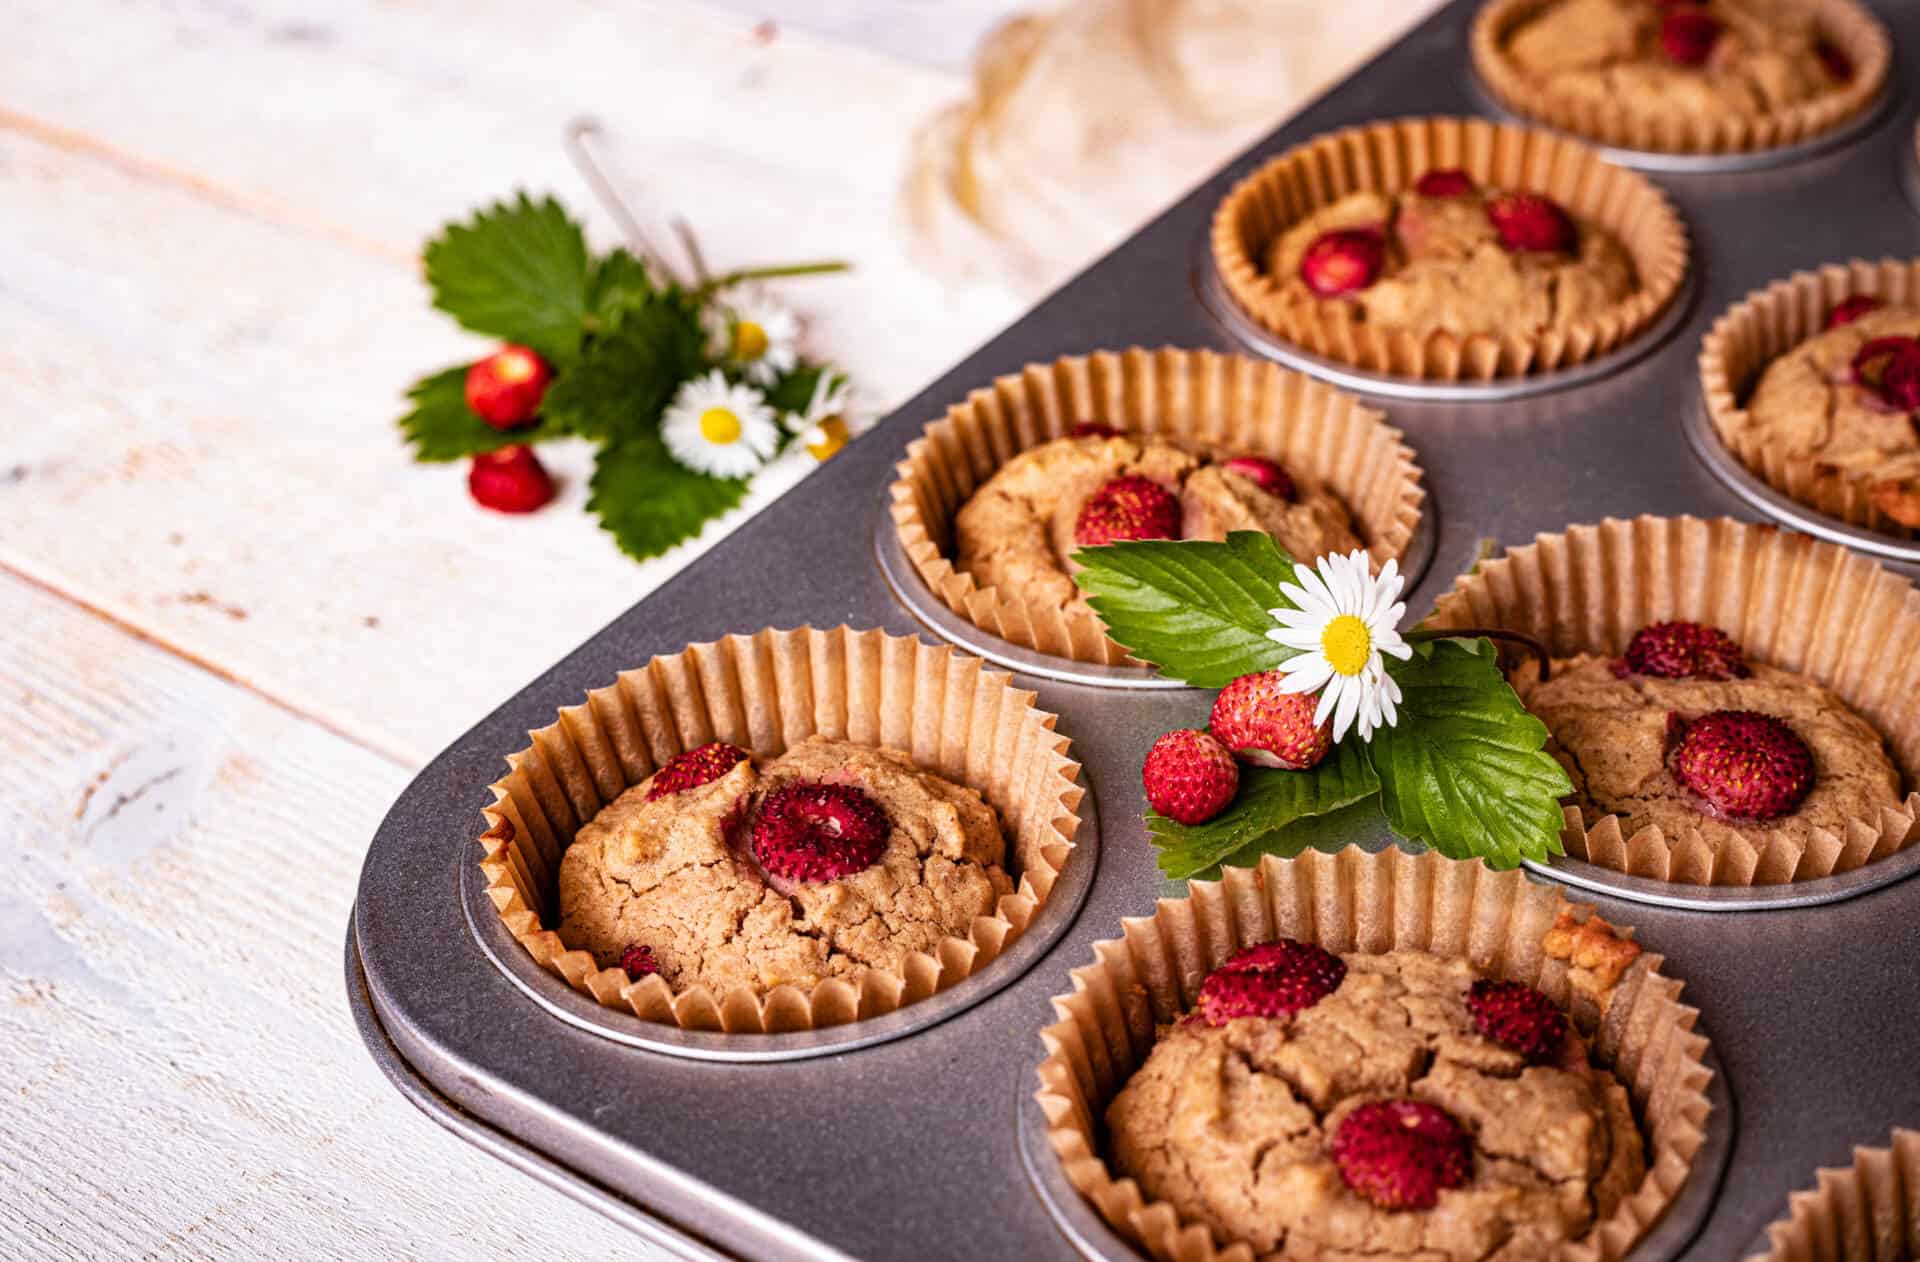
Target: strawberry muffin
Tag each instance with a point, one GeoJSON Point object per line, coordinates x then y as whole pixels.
{"type": "Point", "coordinates": [1099, 486]}
{"type": "Point", "coordinates": [1845, 401]}
{"type": "Point", "coordinates": [1448, 256]}
{"type": "Point", "coordinates": [830, 859]}
{"type": "Point", "coordinates": [1683, 733]}
{"type": "Point", "coordinates": [1331, 1107]}
{"type": "Point", "coordinates": [1705, 58]}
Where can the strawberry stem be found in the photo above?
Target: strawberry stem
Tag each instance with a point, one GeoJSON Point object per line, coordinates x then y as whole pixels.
{"type": "Point", "coordinates": [726, 279]}
{"type": "Point", "coordinates": [1527, 642]}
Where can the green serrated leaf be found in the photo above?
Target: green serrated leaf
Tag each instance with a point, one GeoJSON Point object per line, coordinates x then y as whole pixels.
{"type": "Point", "coordinates": [517, 270]}
{"type": "Point", "coordinates": [1466, 770]}
{"type": "Point", "coordinates": [1330, 834]}
{"type": "Point", "coordinates": [1269, 800]}
{"type": "Point", "coordinates": [442, 427]}
{"type": "Point", "coordinates": [619, 283]}
{"type": "Point", "coordinates": [648, 502]}
{"type": "Point", "coordinates": [1196, 609]}
{"type": "Point", "coordinates": [625, 379]}
{"type": "Point", "coordinates": [794, 390]}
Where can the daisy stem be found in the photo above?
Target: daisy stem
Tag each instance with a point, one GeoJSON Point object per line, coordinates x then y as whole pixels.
{"type": "Point", "coordinates": [1527, 642]}
{"type": "Point", "coordinates": [726, 279]}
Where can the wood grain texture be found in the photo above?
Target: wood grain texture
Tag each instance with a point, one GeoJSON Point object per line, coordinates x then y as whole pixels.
{"type": "Point", "coordinates": [183, 1079]}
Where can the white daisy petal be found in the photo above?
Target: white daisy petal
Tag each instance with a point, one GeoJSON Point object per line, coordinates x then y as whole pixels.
{"type": "Point", "coordinates": [1329, 698]}
{"type": "Point", "coordinates": [719, 428]}
{"type": "Point", "coordinates": [1356, 692]}
{"type": "Point", "coordinates": [1349, 706]}
{"type": "Point", "coordinates": [1313, 672]}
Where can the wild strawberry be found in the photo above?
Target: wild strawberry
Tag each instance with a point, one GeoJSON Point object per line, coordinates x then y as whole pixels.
{"type": "Point", "coordinates": [510, 480]}
{"type": "Point", "coordinates": [1847, 310]}
{"type": "Point", "coordinates": [1528, 221]}
{"type": "Point", "coordinates": [1127, 508]}
{"type": "Point", "coordinates": [1343, 261]}
{"type": "Point", "coordinates": [1189, 776]}
{"type": "Point", "coordinates": [1095, 429]}
{"type": "Point", "coordinates": [1685, 650]}
{"type": "Point", "coordinates": [1264, 474]}
{"type": "Point", "coordinates": [819, 832]}
{"type": "Point", "coordinates": [1273, 979]}
{"type": "Point", "coordinates": [1835, 60]}
{"type": "Point", "coordinates": [1400, 1154]}
{"type": "Point", "coordinates": [1745, 765]}
{"type": "Point", "coordinates": [1444, 182]}
{"type": "Point", "coordinates": [505, 388]}
{"type": "Point", "coordinates": [638, 961]}
{"type": "Point", "coordinates": [1269, 727]}
{"type": "Point", "coordinates": [1519, 1017]}
{"type": "Point", "coordinates": [694, 768]}
{"type": "Point", "coordinates": [1888, 369]}
{"type": "Point", "coordinates": [1688, 38]}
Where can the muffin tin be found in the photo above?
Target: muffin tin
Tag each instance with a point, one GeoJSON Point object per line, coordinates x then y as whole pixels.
{"type": "Point", "coordinates": [908, 1148]}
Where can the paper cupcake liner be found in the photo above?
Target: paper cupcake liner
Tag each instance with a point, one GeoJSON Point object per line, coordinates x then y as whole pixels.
{"type": "Point", "coordinates": [1388, 157]}
{"type": "Point", "coordinates": [1353, 901]}
{"type": "Point", "coordinates": [1792, 602]}
{"type": "Point", "coordinates": [1849, 26]}
{"type": "Point", "coordinates": [1201, 396]}
{"type": "Point", "coordinates": [765, 692]}
{"type": "Point", "coordinates": [1869, 1211]}
{"type": "Point", "coordinates": [1766, 325]}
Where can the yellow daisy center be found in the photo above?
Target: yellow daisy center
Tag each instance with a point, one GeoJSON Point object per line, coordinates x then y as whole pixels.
{"type": "Point", "coordinates": [832, 434]}
{"type": "Point", "coordinates": [749, 340]}
{"type": "Point", "coordinates": [1347, 644]}
{"type": "Point", "coordinates": [719, 426]}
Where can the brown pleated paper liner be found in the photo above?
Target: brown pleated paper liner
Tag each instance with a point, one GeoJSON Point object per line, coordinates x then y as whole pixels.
{"type": "Point", "coordinates": [1356, 902]}
{"type": "Point", "coordinates": [765, 692]}
{"type": "Point", "coordinates": [1869, 1212]}
{"type": "Point", "coordinates": [1790, 601]}
{"type": "Point", "coordinates": [1626, 124]}
{"type": "Point", "coordinates": [1388, 157]}
{"type": "Point", "coordinates": [1228, 401]}
{"type": "Point", "coordinates": [1766, 325]}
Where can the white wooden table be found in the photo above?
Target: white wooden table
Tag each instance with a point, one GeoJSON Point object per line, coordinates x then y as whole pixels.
{"type": "Point", "coordinates": [234, 617]}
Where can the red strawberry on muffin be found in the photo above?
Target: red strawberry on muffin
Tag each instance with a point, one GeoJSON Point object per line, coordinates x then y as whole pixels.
{"type": "Point", "coordinates": [1343, 261]}
{"type": "Point", "coordinates": [1127, 508]}
{"type": "Point", "coordinates": [1685, 650]}
{"type": "Point", "coordinates": [1518, 1017]}
{"type": "Point", "coordinates": [1400, 1154]}
{"type": "Point", "coordinates": [818, 832]}
{"type": "Point", "coordinates": [1273, 979]}
{"type": "Point", "coordinates": [1746, 766]}
{"type": "Point", "coordinates": [695, 768]}
{"type": "Point", "coordinates": [1264, 474]}
{"type": "Point", "coordinates": [1530, 222]}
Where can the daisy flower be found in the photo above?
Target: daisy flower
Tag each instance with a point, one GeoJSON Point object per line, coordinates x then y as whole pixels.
{"type": "Point", "coordinates": [827, 423]}
{"type": "Point", "coordinates": [751, 332]}
{"type": "Point", "coordinates": [718, 428]}
{"type": "Point", "coordinates": [1343, 619]}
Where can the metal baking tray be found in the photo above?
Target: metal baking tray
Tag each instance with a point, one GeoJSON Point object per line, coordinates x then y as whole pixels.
{"type": "Point", "coordinates": [908, 1148]}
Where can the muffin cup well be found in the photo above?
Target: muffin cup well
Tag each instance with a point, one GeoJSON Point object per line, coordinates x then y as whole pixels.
{"type": "Point", "coordinates": [1346, 902]}
{"type": "Point", "coordinates": [1791, 601]}
{"type": "Point", "coordinates": [1766, 325]}
{"type": "Point", "coordinates": [765, 692]}
{"type": "Point", "coordinates": [1870, 1210]}
{"type": "Point", "coordinates": [1848, 25]}
{"type": "Point", "coordinates": [1200, 396]}
{"type": "Point", "coordinates": [1387, 158]}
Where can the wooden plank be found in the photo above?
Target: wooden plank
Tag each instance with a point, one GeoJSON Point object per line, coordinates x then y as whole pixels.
{"type": "Point", "coordinates": [183, 1079]}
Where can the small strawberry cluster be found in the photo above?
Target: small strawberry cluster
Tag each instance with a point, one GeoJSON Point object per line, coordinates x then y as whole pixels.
{"type": "Point", "coordinates": [505, 390]}
{"type": "Point", "coordinates": [1741, 764]}
{"type": "Point", "coordinates": [1191, 775]}
{"type": "Point", "coordinates": [1348, 260]}
{"type": "Point", "coordinates": [1397, 1154]}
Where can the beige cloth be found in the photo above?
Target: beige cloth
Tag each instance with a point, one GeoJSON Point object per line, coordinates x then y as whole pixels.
{"type": "Point", "coordinates": [1086, 119]}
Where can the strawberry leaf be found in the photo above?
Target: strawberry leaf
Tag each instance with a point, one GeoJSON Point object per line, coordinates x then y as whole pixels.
{"type": "Point", "coordinates": [1466, 770]}
{"type": "Point", "coordinates": [648, 502]}
{"type": "Point", "coordinates": [1195, 609]}
{"type": "Point", "coordinates": [518, 271]}
{"type": "Point", "coordinates": [618, 283]}
{"type": "Point", "coordinates": [442, 427]}
{"type": "Point", "coordinates": [1257, 822]}
{"type": "Point", "coordinates": [625, 379]}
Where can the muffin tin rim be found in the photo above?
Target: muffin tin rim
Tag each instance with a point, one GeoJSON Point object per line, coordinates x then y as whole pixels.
{"type": "Point", "coordinates": [561, 1001]}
